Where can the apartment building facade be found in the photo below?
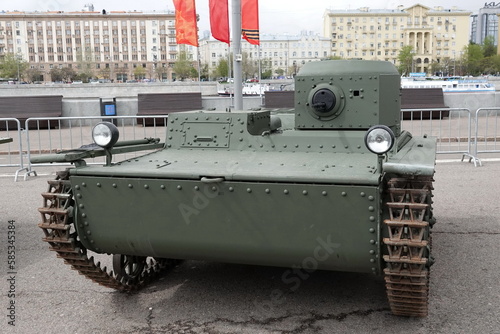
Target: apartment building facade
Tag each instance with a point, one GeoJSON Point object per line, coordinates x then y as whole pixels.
{"type": "Point", "coordinates": [112, 45]}
{"type": "Point", "coordinates": [436, 34]}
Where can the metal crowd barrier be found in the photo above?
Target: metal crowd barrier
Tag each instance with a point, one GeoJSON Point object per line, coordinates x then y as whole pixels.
{"type": "Point", "coordinates": [452, 127]}
{"type": "Point", "coordinates": [11, 145]}
{"type": "Point", "coordinates": [486, 131]}
{"type": "Point", "coordinates": [459, 132]}
{"type": "Point", "coordinates": [65, 133]}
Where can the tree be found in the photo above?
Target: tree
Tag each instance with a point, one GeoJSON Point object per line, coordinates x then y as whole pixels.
{"type": "Point", "coordinates": [34, 74]}
{"type": "Point", "coordinates": [85, 65]}
{"type": "Point", "coordinates": [204, 75]}
{"type": "Point", "coordinates": [267, 74]}
{"type": "Point", "coordinates": [56, 74]}
{"type": "Point", "coordinates": [472, 58]}
{"type": "Point", "coordinates": [193, 73]}
{"type": "Point", "coordinates": [139, 72]}
{"type": "Point", "coordinates": [222, 69]}
{"type": "Point", "coordinates": [405, 59]}
{"type": "Point", "coordinates": [436, 67]}
{"type": "Point", "coordinates": [105, 73]}
{"type": "Point", "coordinates": [68, 74]}
{"type": "Point", "coordinates": [182, 66]}
{"type": "Point", "coordinates": [266, 68]}
{"type": "Point", "coordinates": [13, 66]}
{"type": "Point", "coordinates": [161, 72]}
{"type": "Point", "coordinates": [249, 67]}
{"type": "Point", "coordinates": [489, 49]}
{"type": "Point", "coordinates": [488, 66]}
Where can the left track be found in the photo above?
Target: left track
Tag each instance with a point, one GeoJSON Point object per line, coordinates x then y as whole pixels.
{"type": "Point", "coordinates": [60, 234]}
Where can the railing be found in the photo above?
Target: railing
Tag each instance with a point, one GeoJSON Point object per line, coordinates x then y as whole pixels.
{"type": "Point", "coordinates": [486, 131]}
{"type": "Point", "coordinates": [11, 145]}
{"type": "Point", "coordinates": [451, 127]}
{"type": "Point", "coordinates": [74, 132]}
{"type": "Point", "coordinates": [461, 133]}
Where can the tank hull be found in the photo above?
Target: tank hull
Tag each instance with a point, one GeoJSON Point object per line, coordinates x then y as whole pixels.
{"type": "Point", "coordinates": [314, 226]}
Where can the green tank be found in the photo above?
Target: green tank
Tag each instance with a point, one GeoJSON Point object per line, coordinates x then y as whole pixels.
{"type": "Point", "coordinates": [343, 189]}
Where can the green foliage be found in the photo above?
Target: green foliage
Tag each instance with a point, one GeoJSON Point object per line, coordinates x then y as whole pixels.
{"type": "Point", "coordinates": [405, 59]}
{"type": "Point", "coordinates": [222, 69]}
{"type": "Point", "coordinates": [204, 72]}
{"type": "Point", "coordinates": [13, 66]}
{"type": "Point", "coordinates": [267, 74]}
{"type": "Point", "coordinates": [161, 72]}
{"type": "Point", "coordinates": [193, 73]}
{"type": "Point", "coordinates": [183, 67]}
{"type": "Point", "coordinates": [33, 74]}
{"type": "Point", "coordinates": [139, 72]}
{"type": "Point", "coordinates": [472, 58]}
{"type": "Point", "coordinates": [249, 67]}
{"type": "Point", "coordinates": [489, 48]}
{"type": "Point", "coordinates": [85, 65]}
{"type": "Point", "coordinates": [55, 74]}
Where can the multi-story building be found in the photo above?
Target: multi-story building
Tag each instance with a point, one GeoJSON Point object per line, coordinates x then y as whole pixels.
{"type": "Point", "coordinates": [485, 23]}
{"type": "Point", "coordinates": [277, 52]}
{"type": "Point", "coordinates": [436, 35]}
{"type": "Point", "coordinates": [111, 45]}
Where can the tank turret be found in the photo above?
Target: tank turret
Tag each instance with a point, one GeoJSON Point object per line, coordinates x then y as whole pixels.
{"type": "Point", "coordinates": [347, 95]}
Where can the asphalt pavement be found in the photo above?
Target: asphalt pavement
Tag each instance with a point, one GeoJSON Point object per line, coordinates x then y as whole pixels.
{"type": "Point", "coordinates": [207, 297]}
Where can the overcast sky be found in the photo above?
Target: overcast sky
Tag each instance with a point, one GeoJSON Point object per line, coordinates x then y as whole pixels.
{"type": "Point", "coordinates": [276, 16]}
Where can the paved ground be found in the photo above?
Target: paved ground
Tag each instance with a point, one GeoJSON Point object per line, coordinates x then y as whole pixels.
{"type": "Point", "coordinates": [201, 297]}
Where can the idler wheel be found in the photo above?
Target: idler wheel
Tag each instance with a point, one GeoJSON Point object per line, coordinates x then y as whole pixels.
{"type": "Point", "coordinates": [128, 267]}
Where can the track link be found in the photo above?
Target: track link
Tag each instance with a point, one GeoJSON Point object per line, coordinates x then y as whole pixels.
{"type": "Point", "coordinates": [408, 245]}
{"type": "Point", "coordinates": [60, 234]}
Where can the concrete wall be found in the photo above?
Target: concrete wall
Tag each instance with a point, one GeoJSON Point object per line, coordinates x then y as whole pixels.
{"type": "Point", "coordinates": [109, 90]}
{"type": "Point", "coordinates": [127, 106]}
{"type": "Point", "coordinates": [472, 101]}
{"type": "Point", "coordinates": [83, 99]}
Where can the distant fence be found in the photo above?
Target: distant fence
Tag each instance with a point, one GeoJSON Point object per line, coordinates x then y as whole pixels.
{"type": "Point", "coordinates": [11, 145]}
{"type": "Point", "coordinates": [75, 132]}
{"type": "Point", "coordinates": [452, 128]}
{"type": "Point", "coordinates": [463, 133]}
{"type": "Point", "coordinates": [486, 131]}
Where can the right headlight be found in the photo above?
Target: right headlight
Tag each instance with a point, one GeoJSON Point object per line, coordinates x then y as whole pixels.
{"type": "Point", "coordinates": [105, 134]}
{"type": "Point", "coordinates": [379, 139]}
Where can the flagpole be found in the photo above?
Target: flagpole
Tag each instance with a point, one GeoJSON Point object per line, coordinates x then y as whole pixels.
{"type": "Point", "coordinates": [260, 77]}
{"type": "Point", "coordinates": [237, 66]}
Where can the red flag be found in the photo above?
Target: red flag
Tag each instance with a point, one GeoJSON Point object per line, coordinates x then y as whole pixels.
{"type": "Point", "coordinates": [250, 21]}
{"type": "Point", "coordinates": [219, 20]}
{"type": "Point", "coordinates": [186, 31]}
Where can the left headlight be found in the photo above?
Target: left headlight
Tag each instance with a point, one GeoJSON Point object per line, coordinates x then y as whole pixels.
{"type": "Point", "coordinates": [105, 134]}
{"type": "Point", "coordinates": [379, 139]}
